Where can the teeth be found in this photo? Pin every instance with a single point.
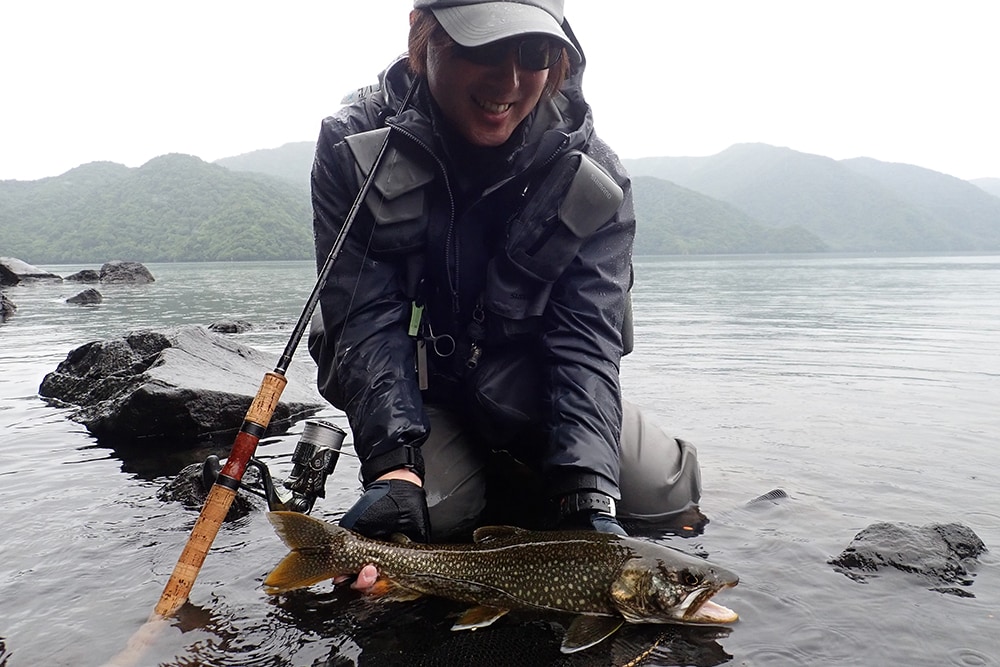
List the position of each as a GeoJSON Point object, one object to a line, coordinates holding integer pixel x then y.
{"type": "Point", "coordinates": [493, 107]}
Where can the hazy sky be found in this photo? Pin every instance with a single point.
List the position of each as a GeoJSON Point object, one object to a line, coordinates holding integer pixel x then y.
{"type": "Point", "coordinates": [912, 81]}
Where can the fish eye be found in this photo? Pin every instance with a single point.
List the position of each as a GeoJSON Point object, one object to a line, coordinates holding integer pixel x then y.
{"type": "Point", "coordinates": [690, 578]}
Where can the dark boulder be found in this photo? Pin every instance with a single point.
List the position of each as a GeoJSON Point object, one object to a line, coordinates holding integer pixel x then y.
{"type": "Point", "coordinates": [230, 326]}
{"type": "Point", "coordinates": [14, 271]}
{"type": "Point", "coordinates": [7, 307]}
{"type": "Point", "coordinates": [176, 387]}
{"type": "Point", "coordinates": [188, 488]}
{"type": "Point", "coordinates": [125, 272]}
{"type": "Point", "coordinates": [87, 297]}
{"type": "Point", "coordinates": [85, 276]}
{"type": "Point", "coordinates": [939, 553]}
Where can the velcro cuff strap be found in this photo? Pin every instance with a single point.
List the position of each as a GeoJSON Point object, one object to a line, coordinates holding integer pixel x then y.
{"type": "Point", "coordinates": [407, 456]}
{"type": "Point", "coordinates": [589, 501]}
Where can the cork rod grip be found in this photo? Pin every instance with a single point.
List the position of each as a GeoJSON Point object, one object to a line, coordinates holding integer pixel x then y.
{"type": "Point", "coordinates": [220, 496]}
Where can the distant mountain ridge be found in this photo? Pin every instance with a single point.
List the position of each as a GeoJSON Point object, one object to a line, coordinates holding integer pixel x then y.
{"type": "Point", "coordinates": [291, 162]}
{"type": "Point", "coordinates": [990, 185]}
{"type": "Point", "coordinates": [852, 205]}
{"type": "Point", "coordinates": [173, 208]}
{"type": "Point", "coordinates": [750, 198]}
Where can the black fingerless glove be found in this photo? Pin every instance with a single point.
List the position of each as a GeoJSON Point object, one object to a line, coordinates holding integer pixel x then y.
{"type": "Point", "coordinates": [388, 507]}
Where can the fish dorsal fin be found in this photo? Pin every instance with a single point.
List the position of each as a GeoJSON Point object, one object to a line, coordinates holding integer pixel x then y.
{"type": "Point", "coordinates": [478, 617]}
{"type": "Point", "coordinates": [490, 533]}
{"type": "Point", "coordinates": [586, 631]}
{"type": "Point", "coordinates": [399, 538]}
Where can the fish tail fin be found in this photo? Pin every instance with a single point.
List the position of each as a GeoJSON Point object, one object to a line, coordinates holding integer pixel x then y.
{"type": "Point", "coordinates": [312, 543]}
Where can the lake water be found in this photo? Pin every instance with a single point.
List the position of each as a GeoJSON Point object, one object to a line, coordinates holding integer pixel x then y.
{"type": "Point", "coordinates": [868, 388]}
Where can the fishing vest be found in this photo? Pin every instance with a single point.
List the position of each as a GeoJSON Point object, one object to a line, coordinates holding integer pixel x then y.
{"type": "Point", "coordinates": [562, 209]}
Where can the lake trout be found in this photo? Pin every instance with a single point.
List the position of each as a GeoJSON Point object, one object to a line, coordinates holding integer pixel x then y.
{"type": "Point", "coordinates": [605, 580]}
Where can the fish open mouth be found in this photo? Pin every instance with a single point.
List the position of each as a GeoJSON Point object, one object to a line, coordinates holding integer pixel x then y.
{"type": "Point", "coordinates": [699, 608]}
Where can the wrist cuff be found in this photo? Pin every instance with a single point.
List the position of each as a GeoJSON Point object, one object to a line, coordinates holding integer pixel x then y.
{"type": "Point", "coordinates": [407, 456]}
{"type": "Point", "coordinates": [586, 501]}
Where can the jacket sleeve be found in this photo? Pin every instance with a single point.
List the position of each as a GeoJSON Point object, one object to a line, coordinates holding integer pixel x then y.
{"type": "Point", "coordinates": [359, 340]}
{"type": "Point", "coordinates": [583, 346]}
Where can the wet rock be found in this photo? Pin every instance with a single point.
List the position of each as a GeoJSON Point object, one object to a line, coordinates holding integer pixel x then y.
{"type": "Point", "coordinates": [125, 272]}
{"type": "Point", "coordinates": [189, 489]}
{"type": "Point", "coordinates": [87, 297]}
{"type": "Point", "coordinates": [941, 553]}
{"type": "Point", "coordinates": [230, 326]}
{"type": "Point", "coordinates": [175, 388]}
{"type": "Point", "coordinates": [7, 307]}
{"type": "Point", "coordinates": [14, 271]}
{"type": "Point", "coordinates": [85, 276]}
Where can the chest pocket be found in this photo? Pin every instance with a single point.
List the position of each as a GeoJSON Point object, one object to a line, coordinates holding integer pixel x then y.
{"type": "Point", "coordinates": [571, 203]}
{"type": "Point", "coordinates": [397, 201]}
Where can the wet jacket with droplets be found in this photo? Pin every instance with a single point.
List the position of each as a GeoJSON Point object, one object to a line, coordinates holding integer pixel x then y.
{"type": "Point", "coordinates": [545, 385]}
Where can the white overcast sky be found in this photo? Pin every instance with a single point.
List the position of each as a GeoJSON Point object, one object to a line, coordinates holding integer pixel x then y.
{"type": "Point", "coordinates": [913, 81]}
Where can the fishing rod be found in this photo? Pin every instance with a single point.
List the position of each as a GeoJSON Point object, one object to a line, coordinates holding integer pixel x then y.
{"type": "Point", "coordinates": [229, 479]}
{"type": "Point", "coordinates": [255, 423]}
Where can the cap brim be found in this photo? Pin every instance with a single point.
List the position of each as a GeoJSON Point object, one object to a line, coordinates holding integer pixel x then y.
{"type": "Point", "coordinates": [486, 22]}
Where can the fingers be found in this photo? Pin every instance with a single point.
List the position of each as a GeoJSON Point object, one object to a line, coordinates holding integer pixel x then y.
{"type": "Point", "coordinates": [361, 582]}
{"type": "Point", "coordinates": [366, 579]}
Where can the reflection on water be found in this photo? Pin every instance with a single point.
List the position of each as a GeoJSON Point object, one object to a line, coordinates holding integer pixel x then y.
{"type": "Point", "coordinates": [864, 387]}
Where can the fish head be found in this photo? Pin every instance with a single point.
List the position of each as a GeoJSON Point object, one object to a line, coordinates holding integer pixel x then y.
{"type": "Point", "coordinates": [672, 587]}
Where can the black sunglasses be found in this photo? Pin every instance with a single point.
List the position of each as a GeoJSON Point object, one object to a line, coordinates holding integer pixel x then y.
{"type": "Point", "coordinates": [532, 53]}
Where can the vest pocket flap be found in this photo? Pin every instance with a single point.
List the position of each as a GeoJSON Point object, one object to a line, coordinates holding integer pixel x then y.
{"type": "Point", "coordinates": [591, 200]}
{"type": "Point", "coordinates": [386, 211]}
{"type": "Point", "coordinates": [399, 173]}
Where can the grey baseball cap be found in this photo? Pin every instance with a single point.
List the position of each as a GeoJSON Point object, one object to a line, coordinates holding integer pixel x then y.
{"type": "Point", "coordinates": [479, 22]}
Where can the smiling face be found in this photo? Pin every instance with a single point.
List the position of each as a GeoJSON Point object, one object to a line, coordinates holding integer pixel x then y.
{"type": "Point", "coordinates": [485, 103]}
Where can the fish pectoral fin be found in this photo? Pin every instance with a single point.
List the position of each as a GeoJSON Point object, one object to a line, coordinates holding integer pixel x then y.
{"type": "Point", "coordinates": [586, 631]}
{"type": "Point", "coordinates": [389, 591]}
{"type": "Point", "coordinates": [478, 617]}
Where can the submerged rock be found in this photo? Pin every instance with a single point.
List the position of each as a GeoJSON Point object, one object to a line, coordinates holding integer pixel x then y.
{"type": "Point", "coordinates": [230, 326]}
{"type": "Point", "coordinates": [14, 271]}
{"type": "Point", "coordinates": [85, 276]}
{"type": "Point", "coordinates": [7, 307]}
{"type": "Point", "coordinates": [86, 298]}
{"type": "Point", "coordinates": [941, 553]}
{"type": "Point", "coordinates": [189, 489]}
{"type": "Point", "coordinates": [175, 387]}
{"type": "Point", "coordinates": [125, 272]}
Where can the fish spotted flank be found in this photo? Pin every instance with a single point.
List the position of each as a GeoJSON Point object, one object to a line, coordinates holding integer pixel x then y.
{"type": "Point", "coordinates": [605, 580]}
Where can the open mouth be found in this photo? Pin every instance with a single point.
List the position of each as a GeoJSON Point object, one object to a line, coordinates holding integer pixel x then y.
{"type": "Point", "coordinates": [699, 608]}
{"type": "Point", "coordinates": [492, 107]}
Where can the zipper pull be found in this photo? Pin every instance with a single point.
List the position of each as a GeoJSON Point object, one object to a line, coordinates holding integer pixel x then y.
{"type": "Point", "coordinates": [474, 353]}
{"type": "Point", "coordinates": [477, 332]}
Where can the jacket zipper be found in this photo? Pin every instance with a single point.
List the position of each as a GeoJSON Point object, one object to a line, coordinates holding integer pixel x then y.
{"type": "Point", "coordinates": [449, 237]}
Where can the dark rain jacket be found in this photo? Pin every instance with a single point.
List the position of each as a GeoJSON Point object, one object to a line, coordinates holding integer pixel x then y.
{"type": "Point", "coordinates": [536, 360]}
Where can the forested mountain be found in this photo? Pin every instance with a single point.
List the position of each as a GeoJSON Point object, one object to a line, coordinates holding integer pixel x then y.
{"type": "Point", "coordinates": [671, 220]}
{"type": "Point", "coordinates": [173, 208]}
{"type": "Point", "coordinates": [969, 215]}
{"type": "Point", "coordinates": [854, 205]}
{"type": "Point", "coordinates": [990, 185]}
{"type": "Point", "coordinates": [291, 162]}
